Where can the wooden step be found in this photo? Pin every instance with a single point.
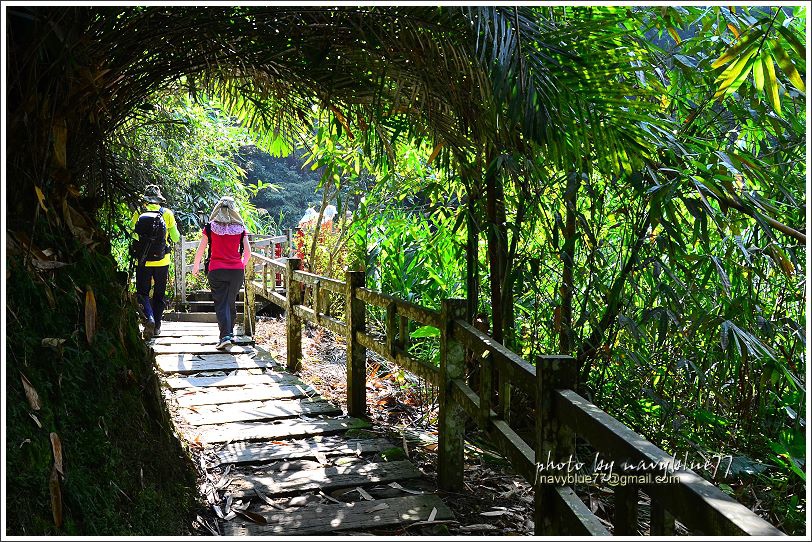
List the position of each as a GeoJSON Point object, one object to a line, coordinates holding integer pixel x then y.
{"type": "Point", "coordinates": [216, 396]}
{"type": "Point", "coordinates": [256, 411]}
{"type": "Point", "coordinates": [205, 295]}
{"type": "Point", "coordinates": [173, 337]}
{"type": "Point", "coordinates": [262, 452]}
{"type": "Point", "coordinates": [193, 317]}
{"type": "Point", "coordinates": [208, 306]}
{"type": "Point", "coordinates": [238, 378]}
{"type": "Point", "coordinates": [335, 517]}
{"type": "Point", "coordinates": [195, 363]}
{"type": "Point", "coordinates": [182, 348]}
{"type": "Point", "coordinates": [283, 429]}
{"type": "Point", "coordinates": [327, 478]}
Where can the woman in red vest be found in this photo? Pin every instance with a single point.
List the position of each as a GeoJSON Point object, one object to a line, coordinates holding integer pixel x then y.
{"type": "Point", "coordinates": [229, 253]}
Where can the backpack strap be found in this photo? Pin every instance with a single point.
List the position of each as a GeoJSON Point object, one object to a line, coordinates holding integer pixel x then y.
{"type": "Point", "coordinates": [242, 236]}
{"type": "Point", "coordinates": [207, 232]}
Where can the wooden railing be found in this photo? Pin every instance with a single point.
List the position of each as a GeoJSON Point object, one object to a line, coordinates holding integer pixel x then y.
{"type": "Point", "coordinates": [560, 413]}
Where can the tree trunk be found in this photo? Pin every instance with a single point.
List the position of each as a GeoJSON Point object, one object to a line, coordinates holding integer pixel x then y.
{"type": "Point", "coordinates": [495, 200]}
{"type": "Point", "coordinates": [568, 261]}
{"type": "Point", "coordinates": [471, 258]}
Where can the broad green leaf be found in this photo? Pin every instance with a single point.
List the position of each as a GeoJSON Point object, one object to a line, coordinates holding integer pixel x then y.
{"type": "Point", "coordinates": [787, 66]}
{"type": "Point", "coordinates": [425, 331]}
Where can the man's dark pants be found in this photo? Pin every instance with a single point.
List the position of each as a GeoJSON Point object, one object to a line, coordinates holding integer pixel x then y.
{"type": "Point", "coordinates": [144, 276]}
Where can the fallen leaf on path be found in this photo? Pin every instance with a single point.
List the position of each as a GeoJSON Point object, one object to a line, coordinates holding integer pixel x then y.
{"type": "Point", "coordinates": [494, 513]}
{"type": "Point", "coordinates": [382, 506]}
{"type": "Point", "coordinates": [256, 518]}
{"type": "Point", "coordinates": [364, 494]}
{"type": "Point", "coordinates": [433, 514]}
{"type": "Point", "coordinates": [36, 420]}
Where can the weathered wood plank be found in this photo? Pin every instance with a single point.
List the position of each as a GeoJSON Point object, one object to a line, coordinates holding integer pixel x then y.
{"type": "Point", "coordinates": [182, 337]}
{"type": "Point", "coordinates": [574, 516]}
{"type": "Point", "coordinates": [256, 411]}
{"type": "Point", "coordinates": [294, 428]}
{"type": "Point", "coordinates": [328, 478]}
{"type": "Point", "coordinates": [195, 363]}
{"type": "Point", "coordinates": [240, 378]}
{"type": "Point", "coordinates": [217, 396]}
{"type": "Point", "coordinates": [243, 452]}
{"type": "Point", "coordinates": [328, 518]}
{"type": "Point", "coordinates": [694, 501]}
{"type": "Point", "coordinates": [414, 312]}
{"type": "Point", "coordinates": [427, 372]}
{"type": "Point", "coordinates": [176, 348]}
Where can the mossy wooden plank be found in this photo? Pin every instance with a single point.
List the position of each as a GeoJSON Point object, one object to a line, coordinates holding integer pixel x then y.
{"type": "Point", "coordinates": [328, 478]}
{"type": "Point", "coordinates": [240, 378]}
{"type": "Point", "coordinates": [334, 517]}
{"type": "Point", "coordinates": [292, 428]}
{"type": "Point", "coordinates": [216, 396]}
{"type": "Point", "coordinates": [245, 452]}
{"type": "Point", "coordinates": [256, 411]}
{"type": "Point", "coordinates": [178, 348]}
{"type": "Point", "coordinates": [195, 363]}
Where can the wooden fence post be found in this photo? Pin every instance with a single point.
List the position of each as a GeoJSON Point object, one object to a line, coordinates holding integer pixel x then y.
{"type": "Point", "coordinates": [554, 440]}
{"type": "Point", "coordinates": [625, 517]}
{"type": "Point", "coordinates": [356, 353]}
{"type": "Point", "coordinates": [293, 322]}
{"type": "Point", "coordinates": [451, 434]}
{"type": "Point", "coordinates": [249, 308]}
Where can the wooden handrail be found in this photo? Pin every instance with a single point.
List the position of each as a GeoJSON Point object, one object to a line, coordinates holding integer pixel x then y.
{"type": "Point", "coordinates": [718, 513]}
{"type": "Point", "coordinates": [697, 503]}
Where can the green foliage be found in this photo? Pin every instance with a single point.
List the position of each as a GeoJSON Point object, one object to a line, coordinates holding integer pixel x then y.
{"type": "Point", "coordinates": [125, 473]}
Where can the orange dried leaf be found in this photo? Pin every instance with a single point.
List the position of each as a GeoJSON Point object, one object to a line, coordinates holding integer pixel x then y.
{"type": "Point", "coordinates": [56, 446]}
{"type": "Point", "coordinates": [56, 497]}
{"type": "Point", "coordinates": [90, 315]}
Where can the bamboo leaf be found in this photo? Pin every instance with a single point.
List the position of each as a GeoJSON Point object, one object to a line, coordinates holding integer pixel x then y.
{"type": "Point", "coordinates": [722, 274]}
{"type": "Point", "coordinates": [435, 152]}
{"type": "Point", "coordinates": [30, 393]}
{"type": "Point", "coordinates": [90, 315]}
{"type": "Point", "coordinates": [772, 83]}
{"type": "Point", "coordinates": [60, 136]}
{"type": "Point", "coordinates": [733, 74]}
{"type": "Point", "coordinates": [56, 497]}
{"type": "Point", "coordinates": [41, 198]}
{"type": "Point", "coordinates": [793, 40]}
{"type": "Point", "coordinates": [56, 447]}
{"type": "Point", "coordinates": [733, 51]}
{"type": "Point", "coordinates": [674, 34]}
{"type": "Point", "coordinates": [758, 74]}
{"type": "Point", "coordinates": [787, 66]}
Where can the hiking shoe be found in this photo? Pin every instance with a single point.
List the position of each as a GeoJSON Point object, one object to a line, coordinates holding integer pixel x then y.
{"type": "Point", "coordinates": [225, 341]}
{"type": "Point", "coordinates": [157, 332]}
{"type": "Point", "coordinates": [149, 329]}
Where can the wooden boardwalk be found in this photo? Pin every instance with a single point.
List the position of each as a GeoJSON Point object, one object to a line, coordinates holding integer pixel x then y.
{"type": "Point", "coordinates": [279, 459]}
